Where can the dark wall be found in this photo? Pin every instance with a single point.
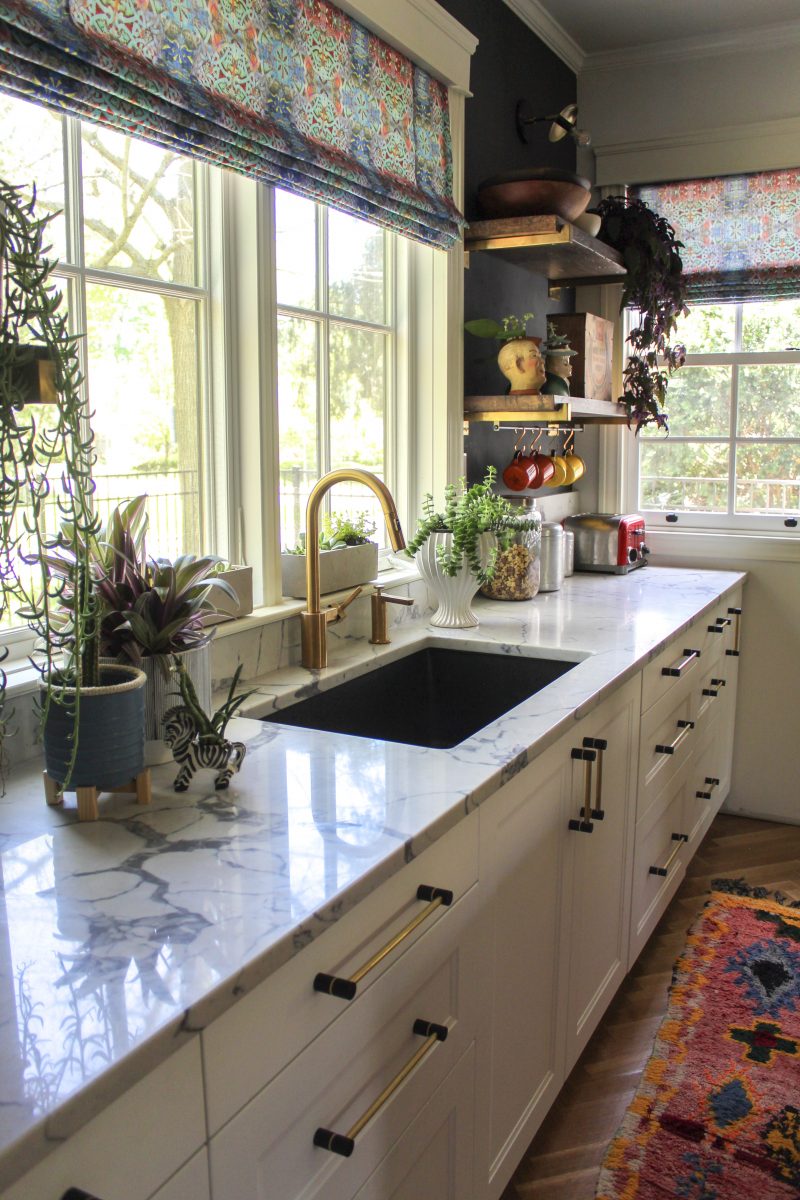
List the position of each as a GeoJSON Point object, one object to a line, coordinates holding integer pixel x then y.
{"type": "Point", "coordinates": [510, 64]}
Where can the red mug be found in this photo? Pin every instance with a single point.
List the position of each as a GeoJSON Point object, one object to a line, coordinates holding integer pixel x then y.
{"type": "Point", "coordinates": [545, 468]}
{"type": "Point", "coordinates": [521, 473]}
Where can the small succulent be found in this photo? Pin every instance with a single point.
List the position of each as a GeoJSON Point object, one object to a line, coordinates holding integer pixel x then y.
{"type": "Point", "coordinates": [468, 513]}
{"type": "Point", "coordinates": [507, 329]}
{"type": "Point", "coordinates": [340, 530]}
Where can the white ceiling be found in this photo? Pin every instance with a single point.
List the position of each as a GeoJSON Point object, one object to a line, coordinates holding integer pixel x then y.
{"type": "Point", "coordinates": [587, 32]}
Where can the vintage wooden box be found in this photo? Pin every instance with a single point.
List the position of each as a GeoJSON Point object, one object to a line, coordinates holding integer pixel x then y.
{"type": "Point", "coordinates": [593, 338]}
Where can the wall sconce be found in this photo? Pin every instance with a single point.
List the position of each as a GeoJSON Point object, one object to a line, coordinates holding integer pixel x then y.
{"type": "Point", "coordinates": [561, 124]}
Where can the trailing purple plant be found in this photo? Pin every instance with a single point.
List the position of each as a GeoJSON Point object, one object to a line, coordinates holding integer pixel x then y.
{"type": "Point", "coordinates": [656, 288]}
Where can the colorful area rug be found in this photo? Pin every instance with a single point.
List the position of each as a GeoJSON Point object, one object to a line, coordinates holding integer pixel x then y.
{"type": "Point", "coordinates": [717, 1113]}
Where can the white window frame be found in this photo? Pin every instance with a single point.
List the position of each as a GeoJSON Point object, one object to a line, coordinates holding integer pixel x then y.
{"type": "Point", "coordinates": [730, 521]}
{"type": "Point", "coordinates": [241, 517]}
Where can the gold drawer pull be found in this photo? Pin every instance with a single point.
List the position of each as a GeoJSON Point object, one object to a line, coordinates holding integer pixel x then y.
{"type": "Point", "coordinates": [345, 989]}
{"type": "Point", "coordinates": [680, 666]}
{"type": "Point", "coordinates": [711, 783]}
{"type": "Point", "coordinates": [684, 727]}
{"type": "Point", "coordinates": [735, 612]}
{"type": "Point", "coordinates": [589, 756]}
{"type": "Point", "coordinates": [679, 839]}
{"type": "Point", "coordinates": [345, 1143]}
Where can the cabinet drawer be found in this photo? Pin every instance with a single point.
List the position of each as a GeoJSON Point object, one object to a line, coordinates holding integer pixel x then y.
{"type": "Point", "coordinates": [267, 1151]}
{"type": "Point", "coordinates": [133, 1145]}
{"type": "Point", "coordinates": [710, 696]}
{"type": "Point", "coordinates": [434, 1159]}
{"type": "Point", "coordinates": [190, 1183]}
{"type": "Point", "coordinates": [704, 794]}
{"type": "Point", "coordinates": [659, 860]}
{"type": "Point", "coordinates": [668, 736]}
{"type": "Point", "coordinates": [248, 1045]}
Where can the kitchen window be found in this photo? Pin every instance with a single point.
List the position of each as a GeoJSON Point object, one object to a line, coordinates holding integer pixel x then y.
{"type": "Point", "coordinates": [732, 456]}
{"type": "Point", "coordinates": [154, 253]}
{"type": "Point", "coordinates": [127, 234]}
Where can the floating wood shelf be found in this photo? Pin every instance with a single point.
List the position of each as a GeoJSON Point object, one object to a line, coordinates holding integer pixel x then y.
{"type": "Point", "coordinates": [549, 246]}
{"type": "Point", "coordinates": [539, 409]}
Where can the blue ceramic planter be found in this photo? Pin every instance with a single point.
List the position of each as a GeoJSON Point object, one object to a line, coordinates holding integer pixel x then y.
{"type": "Point", "coordinates": [110, 732]}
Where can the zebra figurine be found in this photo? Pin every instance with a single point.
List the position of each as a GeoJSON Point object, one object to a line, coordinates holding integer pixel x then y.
{"type": "Point", "coordinates": [193, 750]}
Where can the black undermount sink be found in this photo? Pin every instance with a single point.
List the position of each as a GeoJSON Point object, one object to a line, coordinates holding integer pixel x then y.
{"type": "Point", "coordinates": [434, 697]}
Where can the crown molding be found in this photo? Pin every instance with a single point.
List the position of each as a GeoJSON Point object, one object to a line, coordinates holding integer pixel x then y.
{"type": "Point", "coordinates": [698, 153]}
{"type": "Point", "coordinates": [770, 37]}
{"type": "Point", "coordinates": [554, 36]}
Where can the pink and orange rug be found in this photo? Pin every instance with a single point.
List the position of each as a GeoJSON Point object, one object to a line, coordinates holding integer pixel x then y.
{"type": "Point", "coordinates": [717, 1113]}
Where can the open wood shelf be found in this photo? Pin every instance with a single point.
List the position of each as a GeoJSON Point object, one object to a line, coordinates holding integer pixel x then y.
{"type": "Point", "coordinates": [549, 246]}
{"type": "Point", "coordinates": [541, 409]}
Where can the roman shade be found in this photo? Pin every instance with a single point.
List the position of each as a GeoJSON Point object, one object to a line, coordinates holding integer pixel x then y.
{"type": "Point", "coordinates": [290, 92]}
{"type": "Point", "coordinates": [741, 233]}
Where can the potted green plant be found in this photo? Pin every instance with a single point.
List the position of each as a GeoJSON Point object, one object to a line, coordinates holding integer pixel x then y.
{"type": "Point", "coordinates": [92, 714]}
{"type": "Point", "coordinates": [347, 555]}
{"type": "Point", "coordinates": [519, 357]}
{"type": "Point", "coordinates": [149, 611]}
{"type": "Point", "coordinates": [456, 549]}
{"type": "Point", "coordinates": [655, 287]}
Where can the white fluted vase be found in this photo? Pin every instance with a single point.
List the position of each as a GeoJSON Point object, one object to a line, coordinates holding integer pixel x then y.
{"type": "Point", "coordinates": [453, 594]}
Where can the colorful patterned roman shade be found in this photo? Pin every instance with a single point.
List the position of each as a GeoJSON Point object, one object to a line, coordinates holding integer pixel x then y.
{"type": "Point", "coordinates": [290, 92]}
{"type": "Point", "coordinates": [741, 233]}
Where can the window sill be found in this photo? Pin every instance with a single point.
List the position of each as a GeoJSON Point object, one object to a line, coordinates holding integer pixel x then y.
{"type": "Point", "coordinates": [394, 577]}
{"type": "Point", "coordinates": [728, 544]}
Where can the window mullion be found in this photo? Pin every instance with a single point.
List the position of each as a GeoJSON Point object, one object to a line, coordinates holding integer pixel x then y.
{"type": "Point", "coordinates": [323, 350]}
{"type": "Point", "coordinates": [734, 421]}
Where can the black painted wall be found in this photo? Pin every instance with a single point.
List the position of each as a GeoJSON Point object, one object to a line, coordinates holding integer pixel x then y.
{"type": "Point", "coordinates": [510, 64]}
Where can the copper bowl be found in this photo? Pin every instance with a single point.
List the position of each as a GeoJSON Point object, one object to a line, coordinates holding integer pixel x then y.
{"type": "Point", "coordinates": [534, 191]}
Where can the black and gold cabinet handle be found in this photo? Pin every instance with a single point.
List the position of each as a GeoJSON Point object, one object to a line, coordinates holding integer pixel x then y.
{"type": "Point", "coordinates": [734, 652]}
{"type": "Point", "coordinates": [709, 783]}
{"type": "Point", "coordinates": [663, 871]}
{"type": "Point", "coordinates": [346, 988]}
{"type": "Point", "coordinates": [684, 729]}
{"type": "Point", "coordinates": [345, 1143]}
{"type": "Point", "coordinates": [677, 668]}
{"type": "Point", "coordinates": [590, 753]}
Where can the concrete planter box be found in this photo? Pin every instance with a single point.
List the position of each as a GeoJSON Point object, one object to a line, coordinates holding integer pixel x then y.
{"type": "Point", "coordinates": [241, 580]}
{"type": "Point", "coordinates": [338, 569]}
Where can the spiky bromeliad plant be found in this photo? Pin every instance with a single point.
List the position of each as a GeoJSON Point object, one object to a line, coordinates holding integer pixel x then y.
{"type": "Point", "coordinates": [47, 460]}
{"type": "Point", "coordinates": [148, 607]}
{"type": "Point", "coordinates": [468, 513]}
{"type": "Point", "coordinates": [655, 286]}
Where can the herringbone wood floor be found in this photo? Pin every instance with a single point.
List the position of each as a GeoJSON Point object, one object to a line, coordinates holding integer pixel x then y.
{"type": "Point", "coordinates": [564, 1158]}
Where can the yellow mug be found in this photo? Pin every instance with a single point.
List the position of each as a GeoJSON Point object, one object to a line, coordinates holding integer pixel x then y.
{"type": "Point", "coordinates": [576, 467]}
{"type": "Point", "coordinates": [560, 472]}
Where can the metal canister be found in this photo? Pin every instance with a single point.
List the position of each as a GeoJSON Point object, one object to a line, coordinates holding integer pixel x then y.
{"type": "Point", "coordinates": [552, 572]}
{"type": "Point", "coordinates": [569, 553]}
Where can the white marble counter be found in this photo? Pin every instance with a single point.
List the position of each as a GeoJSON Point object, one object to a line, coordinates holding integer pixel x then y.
{"type": "Point", "coordinates": [126, 936]}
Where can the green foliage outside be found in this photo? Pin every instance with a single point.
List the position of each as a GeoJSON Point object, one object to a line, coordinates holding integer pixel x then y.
{"type": "Point", "coordinates": [693, 474]}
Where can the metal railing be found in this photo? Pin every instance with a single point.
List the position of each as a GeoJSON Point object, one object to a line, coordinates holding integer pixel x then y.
{"type": "Point", "coordinates": [702, 493]}
{"type": "Point", "coordinates": [295, 485]}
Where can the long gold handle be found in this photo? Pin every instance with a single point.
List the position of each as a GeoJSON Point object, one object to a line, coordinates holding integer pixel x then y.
{"type": "Point", "coordinates": [587, 756]}
{"type": "Point", "coordinates": [344, 1143]}
{"type": "Point", "coordinates": [735, 612]}
{"type": "Point", "coordinates": [345, 988]}
{"type": "Point", "coordinates": [680, 666]}
{"type": "Point", "coordinates": [679, 839]}
{"type": "Point", "coordinates": [685, 728]}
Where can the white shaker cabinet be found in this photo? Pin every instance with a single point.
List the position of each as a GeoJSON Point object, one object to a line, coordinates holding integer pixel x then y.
{"type": "Point", "coordinates": [596, 888]}
{"type": "Point", "coordinates": [287, 1143]}
{"type": "Point", "coordinates": [555, 881]}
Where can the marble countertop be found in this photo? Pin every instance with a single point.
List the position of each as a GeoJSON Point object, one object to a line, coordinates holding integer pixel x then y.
{"type": "Point", "coordinates": [124, 937]}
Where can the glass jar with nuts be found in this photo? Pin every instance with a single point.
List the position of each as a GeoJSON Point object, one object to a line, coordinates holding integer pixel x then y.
{"type": "Point", "coordinates": [517, 568]}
